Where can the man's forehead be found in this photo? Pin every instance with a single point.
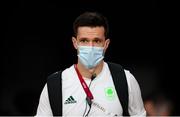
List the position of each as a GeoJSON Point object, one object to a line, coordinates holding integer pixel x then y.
{"type": "Point", "coordinates": [97, 32]}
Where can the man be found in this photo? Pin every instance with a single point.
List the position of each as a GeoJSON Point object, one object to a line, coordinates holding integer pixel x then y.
{"type": "Point", "coordinates": [91, 42]}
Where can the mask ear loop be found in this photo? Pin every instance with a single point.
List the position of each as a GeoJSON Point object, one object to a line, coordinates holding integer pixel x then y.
{"type": "Point", "coordinates": [77, 47]}
{"type": "Point", "coordinates": [104, 47]}
{"type": "Point", "coordinates": [104, 50]}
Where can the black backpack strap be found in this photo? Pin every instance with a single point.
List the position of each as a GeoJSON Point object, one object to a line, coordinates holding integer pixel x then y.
{"type": "Point", "coordinates": [121, 85]}
{"type": "Point", "coordinates": [54, 85]}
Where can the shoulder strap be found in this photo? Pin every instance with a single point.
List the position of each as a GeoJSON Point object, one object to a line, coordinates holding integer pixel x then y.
{"type": "Point", "coordinates": [121, 85]}
{"type": "Point", "coordinates": [55, 93]}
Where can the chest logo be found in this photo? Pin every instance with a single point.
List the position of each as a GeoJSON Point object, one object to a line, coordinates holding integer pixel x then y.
{"type": "Point", "coordinates": [110, 93]}
{"type": "Point", "coordinates": [70, 100]}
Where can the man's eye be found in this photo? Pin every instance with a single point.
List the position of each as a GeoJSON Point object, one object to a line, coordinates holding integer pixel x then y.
{"type": "Point", "coordinates": [97, 41]}
{"type": "Point", "coordinates": [83, 41]}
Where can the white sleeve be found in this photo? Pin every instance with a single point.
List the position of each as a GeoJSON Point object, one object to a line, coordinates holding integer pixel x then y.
{"type": "Point", "coordinates": [136, 106]}
{"type": "Point", "coordinates": [44, 108]}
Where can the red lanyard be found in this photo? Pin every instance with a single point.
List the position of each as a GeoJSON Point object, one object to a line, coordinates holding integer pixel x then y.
{"type": "Point", "coordinates": [83, 83]}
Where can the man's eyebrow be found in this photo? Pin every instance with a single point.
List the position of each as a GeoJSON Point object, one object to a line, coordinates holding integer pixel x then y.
{"type": "Point", "coordinates": [83, 38]}
{"type": "Point", "coordinates": [98, 39]}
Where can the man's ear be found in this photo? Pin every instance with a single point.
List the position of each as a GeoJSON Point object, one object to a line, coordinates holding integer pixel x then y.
{"type": "Point", "coordinates": [74, 41]}
{"type": "Point", "coordinates": [106, 45]}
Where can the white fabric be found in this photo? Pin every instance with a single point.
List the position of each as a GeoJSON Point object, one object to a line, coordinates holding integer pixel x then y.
{"type": "Point", "coordinates": [103, 104]}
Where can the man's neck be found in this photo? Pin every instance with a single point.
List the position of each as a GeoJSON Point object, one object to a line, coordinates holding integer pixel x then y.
{"type": "Point", "coordinates": [88, 73]}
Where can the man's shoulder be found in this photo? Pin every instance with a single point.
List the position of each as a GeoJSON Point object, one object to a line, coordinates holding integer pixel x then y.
{"type": "Point", "coordinates": [113, 63]}
{"type": "Point", "coordinates": [120, 66]}
{"type": "Point", "coordinates": [113, 66]}
{"type": "Point", "coordinates": [54, 75]}
{"type": "Point", "coordinates": [58, 73]}
{"type": "Point", "coordinates": [127, 72]}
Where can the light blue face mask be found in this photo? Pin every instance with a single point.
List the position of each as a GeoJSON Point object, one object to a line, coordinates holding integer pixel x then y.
{"type": "Point", "coordinates": [90, 56]}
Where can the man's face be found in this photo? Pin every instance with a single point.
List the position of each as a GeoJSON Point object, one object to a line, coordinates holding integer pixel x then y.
{"type": "Point", "coordinates": [88, 36]}
{"type": "Point", "coordinates": [91, 36]}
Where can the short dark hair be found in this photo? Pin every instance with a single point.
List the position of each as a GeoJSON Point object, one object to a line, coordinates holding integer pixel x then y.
{"type": "Point", "coordinates": [91, 19]}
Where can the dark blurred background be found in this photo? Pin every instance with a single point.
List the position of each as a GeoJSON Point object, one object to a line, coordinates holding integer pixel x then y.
{"type": "Point", "coordinates": [37, 42]}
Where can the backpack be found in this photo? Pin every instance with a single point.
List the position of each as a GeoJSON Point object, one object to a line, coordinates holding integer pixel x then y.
{"type": "Point", "coordinates": [55, 89]}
